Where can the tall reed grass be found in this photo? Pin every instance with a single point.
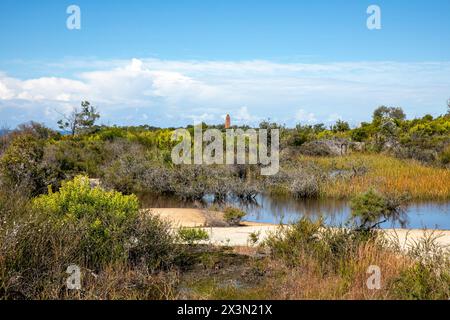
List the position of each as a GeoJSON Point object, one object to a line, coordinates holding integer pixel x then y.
{"type": "Point", "coordinates": [385, 174]}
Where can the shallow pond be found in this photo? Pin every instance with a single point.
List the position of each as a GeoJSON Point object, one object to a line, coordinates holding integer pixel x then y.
{"type": "Point", "coordinates": [276, 209]}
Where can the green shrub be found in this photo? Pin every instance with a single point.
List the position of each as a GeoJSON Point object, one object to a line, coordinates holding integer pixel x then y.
{"type": "Point", "coordinates": [152, 243]}
{"type": "Point", "coordinates": [78, 155]}
{"type": "Point", "coordinates": [108, 217]}
{"type": "Point", "coordinates": [20, 165]}
{"type": "Point", "coordinates": [372, 209]}
{"type": "Point", "coordinates": [422, 282]}
{"type": "Point", "coordinates": [254, 237]}
{"type": "Point", "coordinates": [292, 243]}
{"type": "Point", "coordinates": [192, 235]}
{"type": "Point", "coordinates": [233, 216]}
{"type": "Point", "coordinates": [308, 241]}
{"type": "Point", "coordinates": [444, 156]}
{"type": "Point", "coordinates": [92, 228]}
{"type": "Point", "coordinates": [360, 134]}
{"type": "Point", "coordinates": [126, 172]}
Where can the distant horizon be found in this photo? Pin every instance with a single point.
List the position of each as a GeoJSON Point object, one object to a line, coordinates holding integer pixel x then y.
{"type": "Point", "coordinates": [5, 128]}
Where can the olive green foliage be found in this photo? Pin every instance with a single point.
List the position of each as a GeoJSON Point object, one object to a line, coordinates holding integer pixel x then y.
{"type": "Point", "coordinates": [50, 217]}
{"type": "Point", "coordinates": [384, 112]}
{"type": "Point", "coordinates": [126, 168]}
{"type": "Point", "coordinates": [305, 133]}
{"type": "Point", "coordinates": [424, 139]}
{"type": "Point", "coordinates": [80, 120]}
{"type": "Point", "coordinates": [428, 277]}
{"type": "Point", "coordinates": [444, 156]}
{"type": "Point", "coordinates": [23, 166]}
{"type": "Point", "coordinates": [340, 126]}
{"type": "Point", "coordinates": [192, 236]}
{"type": "Point", "coordinates": [311, 241]}
{"type": "Point", "coordinates": [233, 216]}
{"type": "Point", "coordinates": [114, 229]}
{"type": "Point", "coordinates": [138, 159]}
{"type": "Point", "coordinates": [90, 227]}
{"type": "Point", "coordinates": [422, 282]}
{"type": "Point", "coordinates": [372, 209]}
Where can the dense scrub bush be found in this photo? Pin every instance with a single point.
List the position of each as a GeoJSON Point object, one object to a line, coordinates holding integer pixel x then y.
{"type": "Point", "coordinates": [233, 216]}
{"type": "Point", "coordinates": [189, 182]}
{"type": "Point", "coordinates": [108, 216]}
{"type": "Point", "coordinates": [316, 148]}
{"type": "Point", "coordinates": [32, 162]}
{"type": "Point", "coordinates": [78, 155]}
{"type": "Point", "coordinates": [304, 133]}
{"type": "Point", "coordinates": [22, 168]}
{"type": "Point", "coordinates": [422, 282]}
{"type": "Point", "coordinates": [428, 277]}
{"type": "Point", "coordinates": [35, 253]}
{"type": "Point", "coordinates": [246, 190]}
{"type": "Point", "coordinates": [308, 241]}
{"type": "Point", "coordinates": [125, 168]}
{"type": "Point", "coordinates": [91, 228]}
{"type": "Point", "coordinates": [361, 133]}
{"type": "Point", "coordinates": [444, 156]}
{"type": "Point", "coordinates": [157, 180]}
{"type": "Point", "coordinates": [32, 128]}
{"type": "Point", "coordinates": [417, 153]}
{"type": "Point", "coordinates": [114, 228]}
{"type": "Point", "coordinates": [152, 243]}
{"type": "Point", "coordinates": [221, 182]}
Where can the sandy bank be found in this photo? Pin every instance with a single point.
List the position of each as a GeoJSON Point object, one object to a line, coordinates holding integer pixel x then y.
{"type": "Point", "coordinates": [239, 236]}
{"type": "Point", "coordinates": [182, 217]}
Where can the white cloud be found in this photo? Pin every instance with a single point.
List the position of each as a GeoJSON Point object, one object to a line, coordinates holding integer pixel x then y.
{"type": "Point", "coordinates": [304, 116]}
{"type": "Point", "coordinates": [174, 92]}
{"type": "Point", "coordinates": [5, 93]}
{"type": "Point", "coordinates": [334, 117]}
{"type": "Point", "coordinates": [243, 115]}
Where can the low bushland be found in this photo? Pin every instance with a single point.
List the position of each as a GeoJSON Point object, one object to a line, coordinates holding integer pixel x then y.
{"type": "Point", "coordinates": [50, 216]}
{"type": "Point", "coordinates": [124, 255]}
{"type": "Point", "coordinates": [89, 227]}
{"type": "Point", "coordinates": [310, 261]}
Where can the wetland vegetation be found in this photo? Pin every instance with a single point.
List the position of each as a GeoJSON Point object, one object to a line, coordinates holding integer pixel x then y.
{"type": "Point", "coordinates": [75, 199]}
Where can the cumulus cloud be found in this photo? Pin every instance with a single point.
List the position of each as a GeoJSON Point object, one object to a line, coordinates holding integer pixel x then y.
{"type": "Point", "coordinates": [176, 92]}
{"type": "Point", "coordinates": [304, 116]}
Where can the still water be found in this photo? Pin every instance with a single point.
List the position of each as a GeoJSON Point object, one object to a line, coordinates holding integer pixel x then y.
{"type": "Point", "coordinates": [285, 209]}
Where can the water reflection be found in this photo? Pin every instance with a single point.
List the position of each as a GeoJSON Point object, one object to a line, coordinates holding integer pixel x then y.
{"type": "Point", "coordinates": [285, 209]}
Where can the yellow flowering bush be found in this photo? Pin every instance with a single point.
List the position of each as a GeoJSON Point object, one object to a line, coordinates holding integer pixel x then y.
{"type": "Point", "coordinates": [106, 218]}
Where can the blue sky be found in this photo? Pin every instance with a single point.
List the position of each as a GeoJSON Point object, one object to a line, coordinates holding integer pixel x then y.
{"type": "Point", "coordinates": [172, 62]}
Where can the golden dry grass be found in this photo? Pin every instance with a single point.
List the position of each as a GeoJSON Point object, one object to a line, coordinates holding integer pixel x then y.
{"type": "Point", "coordinates": [386, 174]}
{"type": "Point", "coordinates": [306, 282]}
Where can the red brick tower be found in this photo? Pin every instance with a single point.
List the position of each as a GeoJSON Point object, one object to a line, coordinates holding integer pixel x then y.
{"type": "Point", "coordinates": [227, 122]}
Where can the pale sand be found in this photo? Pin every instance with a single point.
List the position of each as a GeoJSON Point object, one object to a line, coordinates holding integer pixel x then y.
{"type": "Point", "coordinates": [182, 217]}
{"type": "Point", "coordinates": [239, 236]}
